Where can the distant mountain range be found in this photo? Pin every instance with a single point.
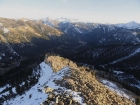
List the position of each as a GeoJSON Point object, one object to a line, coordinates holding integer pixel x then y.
{"type": "Point", "coordinates": [112, 48]}
{"type": "Point", "coordinates": [129, 25]}
{"type": "Point", "coordinates": [105, 46]}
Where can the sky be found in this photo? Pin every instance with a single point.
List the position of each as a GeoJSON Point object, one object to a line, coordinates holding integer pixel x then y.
{"type": "Point", "coordinates": [99, 11]}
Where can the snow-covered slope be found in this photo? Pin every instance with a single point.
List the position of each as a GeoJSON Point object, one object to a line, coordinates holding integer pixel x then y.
{"type": "Point", "coordinates": [118, 90]}
{"type": "Point", "coordinates": [70, 82]}
{"type": "Point", "coordinates": [48, 21]}
{"type": "Point", "coordinates": [126, 57]}
{"type": "Point", "coordinates": [36, 97]}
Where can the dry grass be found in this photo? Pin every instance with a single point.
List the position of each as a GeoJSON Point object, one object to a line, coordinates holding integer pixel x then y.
{"type": "Point", "coordinates": [57, 63]}
{"type": "Point", "coordinates": [95, 92]}
{"type": "Point", "coordinates": [82, 79]}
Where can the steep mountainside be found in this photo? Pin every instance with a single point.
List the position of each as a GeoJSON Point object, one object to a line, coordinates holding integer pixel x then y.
{"type": "Point", "coordinates": [107, 47]}
{"type": "Point", "coordinates": [21, 38]}
{"type": "Point", "coordinates": [59, 81]}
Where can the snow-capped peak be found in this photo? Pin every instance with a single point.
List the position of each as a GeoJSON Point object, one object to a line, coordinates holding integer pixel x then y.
{"type": "Point", "coordinates": [67, 20]}
{"type": "Point", "coordinates": [129, 25]}
{"type": "Point", "coordinates": [51, 21]}
{"type": "Point", "coordinates": [132, 25]}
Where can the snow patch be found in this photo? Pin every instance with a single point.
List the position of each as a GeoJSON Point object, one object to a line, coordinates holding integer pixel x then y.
{"type": "Point", "coordinates": [104, 29]}
{"type": "Point", "coordinates": [48, 21]}
{"type": "Point", "coordinates": [65, 30]}
{"type": "Point", "coordinates": [118, 72]}
{"type": "Point", "coordinates": [1, 24]}
{"type": "Point", "coordinates": [14, 90]}
{"type": "Point", "coordinates": [25, 20]}
{"type": "Point", "coordinates": [76, 96]}
{"type": "Point", "coordinates": [5, 30]}
{"type": "Point", "coordinates": [35, 97]}
{"type": "Point", "coordinates": [116, 89]}
{"type": "Point", "coordinates": [23, 83]}
{"type": "Point", "coordinates": [11, 58]}
{"type": "Point", "coordinates": [5, 94]}
{"type": "Point", "coordinates": [2, 88]}
{"type": "Point", "coordinates": [78, 30]}
{"type": "Point", "coordinates": [135, 33]}
{"type": "Point", "coordinates": [3, 54]}
{"type": "Point", "coordinates": [123, 58]}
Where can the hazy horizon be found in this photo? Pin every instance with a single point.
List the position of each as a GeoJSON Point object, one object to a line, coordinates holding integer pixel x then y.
{"type": "Point", "coordinates": [101, 11]}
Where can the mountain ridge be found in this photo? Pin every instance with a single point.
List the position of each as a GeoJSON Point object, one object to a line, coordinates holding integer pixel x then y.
{"type": "Point", "coordinates": [23, 44]}
{"type": "Point", "coordinates": [128, 25]}
{"type": "Point", "coordinates": [62, 87]}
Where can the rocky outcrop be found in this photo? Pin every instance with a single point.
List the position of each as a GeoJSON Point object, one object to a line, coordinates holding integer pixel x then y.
{"type": "Point", "coordinates": [60, 99]}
